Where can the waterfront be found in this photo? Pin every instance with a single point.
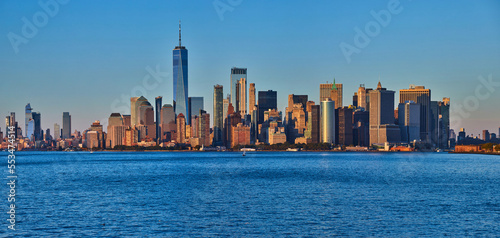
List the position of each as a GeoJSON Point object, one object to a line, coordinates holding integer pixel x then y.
{"type": "Point", "coordinates": [262, 194]}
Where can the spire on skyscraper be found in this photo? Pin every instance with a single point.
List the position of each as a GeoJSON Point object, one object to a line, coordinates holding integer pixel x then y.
{"type": "Point", "coordinates": [379, 85]}
{"type": "Point", "coordinates": [180, 33]}
{"type": "Point", "coordinates": [334, 87]}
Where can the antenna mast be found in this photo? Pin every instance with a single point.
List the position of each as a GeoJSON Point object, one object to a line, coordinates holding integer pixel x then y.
{"type": "Point", "coordinates": [180, 33]}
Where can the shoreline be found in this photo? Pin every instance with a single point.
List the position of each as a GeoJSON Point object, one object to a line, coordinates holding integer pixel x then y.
{"type": "Point", "coordinates": [316, 151]}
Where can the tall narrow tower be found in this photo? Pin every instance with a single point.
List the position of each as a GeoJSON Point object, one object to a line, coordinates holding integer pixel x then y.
{"type": "Point", "coordinates": [180, 64]}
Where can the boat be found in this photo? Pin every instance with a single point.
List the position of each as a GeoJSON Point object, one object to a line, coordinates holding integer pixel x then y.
{"type": "Point", "coordinates": [244, 153]}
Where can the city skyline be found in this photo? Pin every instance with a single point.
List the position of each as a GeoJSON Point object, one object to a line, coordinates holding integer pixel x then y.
{"type": "Point", "coordinates": [456, 79]}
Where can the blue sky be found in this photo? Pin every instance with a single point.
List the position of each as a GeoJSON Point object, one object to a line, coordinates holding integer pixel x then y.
{"type": "Point", "coordinates": [90, 56]}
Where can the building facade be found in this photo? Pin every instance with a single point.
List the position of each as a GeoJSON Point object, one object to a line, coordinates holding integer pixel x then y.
{"type": "Point", "coordinates": [327, 121]}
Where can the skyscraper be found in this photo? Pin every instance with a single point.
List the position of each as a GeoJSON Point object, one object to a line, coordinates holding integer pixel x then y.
{"type": "Point", "coordinates": [355, 99]}
{"type": "Point", "coordinates": [181, 129]}
{"type": "Point", "coordinates": [242, 85]}
{"type": "Point", "coordinates": [147, 120]}
{"type": "Point", "coordinates": [116, 130]}
{"type": "Point", "coordinates": [251, 98]}
{"type": "Point", "coordinates": [204, 128]}
{"type": "Point", "coordinates": [180, 76]}
{"type": "Point", "coordinates": [422, 96]}
{"type": "Point", "coordinates": [486, 135]}
{"type": "Point", "coordinates": [218, 114]}
{"type": "Point", "coordinates": [382, 127]}
{"type": "Point", "coordinates": [434, 122]}
{"type": "Point", "coordinates": [57, 131]}
{"type": "Point", "coordinates": [236, 75]}
{"type": "Point", "coordinates": [37, 125]}
{"type": "Point", "coordinates": [444, 111]}
{"type": "Point", "coordinates": [361, 123]}
{"type": "Point", "coordinates": [345, 126]}
{"type": "Point", "coordinates": [135, 114]}
{"type": "Point", "coordinates": [327, 121]}
{"type": "Point", "coordinates": [195, 104]}
{"type": "Point", "coordinates": [66, 130]}
{"type": "Point", "coordinates": [332, 91]}
{"type": "Point", "coordinates": [409, 121]}
{"type": "Point", "coordinates": [27, 118]}
{"type": "Point", "coordinates": [158, 104]}
{"type": "Point", "coordinates": [267, 100]}
{"type": "Point", "coordinates": [168, 126]}
{"type": "Point", "coordinates": [314, 121]}
{"type": "Point", "coordinates": [133, 108]}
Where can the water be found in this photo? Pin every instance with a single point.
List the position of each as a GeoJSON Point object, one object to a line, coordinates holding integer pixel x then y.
{"type": "Point", "coordinates": [266, 194]}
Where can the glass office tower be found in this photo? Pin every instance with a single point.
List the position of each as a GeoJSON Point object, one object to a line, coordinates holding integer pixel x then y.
{"type": "Point", "coordinates": [236, 75]}
{"type": "Point", "coordinates": [180, 64]}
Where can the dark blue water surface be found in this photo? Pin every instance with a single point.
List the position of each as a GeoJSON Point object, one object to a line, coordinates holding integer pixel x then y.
{"type": "Point", "coordinates": [264, 194]}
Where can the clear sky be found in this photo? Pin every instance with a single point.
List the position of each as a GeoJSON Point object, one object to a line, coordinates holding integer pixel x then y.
{"type": "Point", "coordinates": [90, 57]}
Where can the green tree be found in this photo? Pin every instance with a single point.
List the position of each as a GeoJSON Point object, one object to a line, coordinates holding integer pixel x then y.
{"type": "Point", "coordinates": [487, 146]}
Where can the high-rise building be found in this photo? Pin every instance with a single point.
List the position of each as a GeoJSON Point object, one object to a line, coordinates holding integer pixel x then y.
{"type": "Point", "coordinates": [66, 130]}
{"type": "Point", "coordinates": [332, 91]}
{"type": "Point", "coordinates": [364, 97]}
{"type": "Point", "coordinates": [135, 103]}
{"type": "Point", "coordinates": [409, 121]}
{"type": "Point", "coordinates": [158, 105]}
{"type": "Point", "coordinates": [225, 105]}
{"type": "Point", "coordinates": [116, 130]}
{"type": "Point", "coordinates": [486, 135]}
{"type": "Point", "coordinates": [218, 114]}
{"type": "Point", "coordinates": [242, 90]}
{"type": "Point", "coordinates": [254, 127]}
{"type": "Point", "coordinates": [195, 104]}
{"type": "Point", "coordinates": [27, 118]}
{"type": "Point", "coordinates": [444, 126]}
{"type": "Point", "coordinates": [295, 117]}
{"type": "Point", "coordinates": [233, 118]}
{"type": "Point", "coordinates": [37, 126]}
{"type": "Point", "coordinates": [361, 125]}
{"type": "Point", "coordinates": [434, 121]}
{"type": "Point", "coordinates": [267, 100]}
{"type": "Point", "coordinates": [180, 63]}
{"type": "Point", "coordinates": [167, 121]}
{"type": "Point", "coordinates": [131, 136]}
{"type": "Point", "coordinates": [251, 98]}
{"type": "Point", "coordinates": [204, 128]}
{"type": "Point", "coordinates": [293, 99]}
{"type": "Point", "coordinates": [236, 75]}
{"type": "Point", "coordinates": [382, 127]}
{"type": "Point", "coordinates": [461, 134]}
{"type": "Point", "coordinates": [355, 99]}
{"type": "Point", "coordinates": [422, 96]}
{"type": "Point", "coordinates": [127, 120]}
{"type": "Point", "coordinates": [95, 136]}
{"type": "Point", "coordinates": [147, 120]}
{"type": "Point", "coordinates": [30, 129]}
{"type": "Point", "coordinates": [10, 121]}
{"type": "Point", "coordinates": [314, 122]}
{"type": "Point", "coordinates": [327, 121]}
{"type": "Point", "coordinates": [46, 136]}
{"type": "Point", "coordinates": [181, 129]}
{"type": "Point", "coordinates": [57, 131]}
{"type": "Point", "coordinates": [345, 126]}
{"type": "Point", "coordinates": [133, 109]}
{"type": "Point", "coordinates": [240, 135]}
